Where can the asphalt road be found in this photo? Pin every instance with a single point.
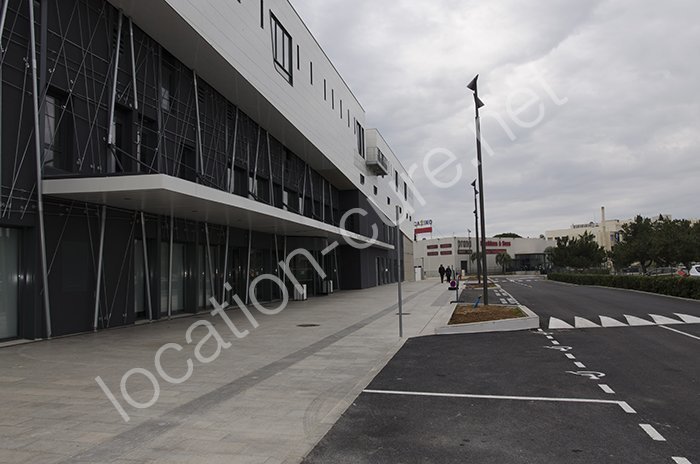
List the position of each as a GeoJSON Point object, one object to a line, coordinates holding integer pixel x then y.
{"type": "Point", "coordinates": [596, 395]}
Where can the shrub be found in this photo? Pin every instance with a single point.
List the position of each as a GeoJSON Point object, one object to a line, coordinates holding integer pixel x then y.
{"type": "Point", "coordinates": [686, 287]}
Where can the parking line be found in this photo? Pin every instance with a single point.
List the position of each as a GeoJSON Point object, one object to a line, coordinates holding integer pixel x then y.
{"type": "Point", "coordinates": [607, 389]}
{"type": "Point", "coordinates": [570, 356]}
{"type": "Point", "coordinates": [580, 365]}
{"type": "Point", "coordinates": [679, 332]}
{"type": "Point", "coordinates": [651, 431]}
{"type": "Point", "coordinates": [625, 407]}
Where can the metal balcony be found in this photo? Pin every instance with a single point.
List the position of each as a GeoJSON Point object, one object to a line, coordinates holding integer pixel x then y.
{"type": "Point", "coordinates": [377, 162]}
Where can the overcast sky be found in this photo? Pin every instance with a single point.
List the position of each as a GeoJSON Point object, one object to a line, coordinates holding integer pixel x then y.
{"type": "Point", "coordinates": [588, 103]}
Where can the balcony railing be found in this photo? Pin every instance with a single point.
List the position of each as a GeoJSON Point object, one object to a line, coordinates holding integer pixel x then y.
{"type": "Point", "coordinates": [377, 162]}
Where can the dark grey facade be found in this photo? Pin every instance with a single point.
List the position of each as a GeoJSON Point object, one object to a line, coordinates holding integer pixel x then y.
{"type": "Point", "coordinates": [157, 117]}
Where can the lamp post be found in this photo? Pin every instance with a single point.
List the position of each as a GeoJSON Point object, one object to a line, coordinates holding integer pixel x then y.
{"type": "Point", "coordinates": [476, 223]}
{"type": "Point", "coordinates": [478, 104]}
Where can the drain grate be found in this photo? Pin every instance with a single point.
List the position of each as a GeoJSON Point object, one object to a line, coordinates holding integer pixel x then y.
{"type": "Point", "coordinates": [308, 325]}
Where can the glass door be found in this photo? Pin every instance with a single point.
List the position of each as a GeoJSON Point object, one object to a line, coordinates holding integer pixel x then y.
{"type": "Point", "coordinates": [9, 280]}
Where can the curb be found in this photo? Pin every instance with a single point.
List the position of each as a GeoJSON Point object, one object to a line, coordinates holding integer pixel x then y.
{"type": "Point", "coordinates": [531, 321]}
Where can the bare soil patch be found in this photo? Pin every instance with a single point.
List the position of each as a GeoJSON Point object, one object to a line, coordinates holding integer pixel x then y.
{"type": "Point", "coordinates": [464, 314]}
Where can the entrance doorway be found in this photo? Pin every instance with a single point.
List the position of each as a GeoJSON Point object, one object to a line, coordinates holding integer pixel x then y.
{"type": "Point", "coordinates": [9, 280]}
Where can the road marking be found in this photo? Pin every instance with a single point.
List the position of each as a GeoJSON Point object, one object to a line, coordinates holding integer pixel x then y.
{"type": "Point", "coordinates": [555, 323]}
{"type": "Point", "coordinates": [651, 431]}
{"type": "Point", "coordinates": [549, 337]}
{"type": "Point", "coordinates": [679, 332]}
{"type": "Point", "coordinates": [580, 365]}
{"type": "Point", "coordinates": [637, 321]}
{"type": "Point", "coordinates": [663, 320]}
{"type": "Point", "coordinates": [689, 319]}
{"type": "Point", "coordinates": [681, 461]}
{"type": "Point", "coordinates": [606, 321]}
{"type": "Point", "coordinates": [581, 323]}
{"type": "Point", "coordinates": [570, 356]}
{"type": "Point", "coordinates": [556, 343]}
{"type": "Point", "coordinates": [592, 375]}
{"type": "Point", "coordinates": [622, 404]}
{"type": "Point", "coordinates": [606, 389]}
{"type": "Point", "coordinates": [504, 301]}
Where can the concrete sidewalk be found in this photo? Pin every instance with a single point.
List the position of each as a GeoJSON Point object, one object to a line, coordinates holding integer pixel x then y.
{"type": "Point", "coordinates": [269, 398]}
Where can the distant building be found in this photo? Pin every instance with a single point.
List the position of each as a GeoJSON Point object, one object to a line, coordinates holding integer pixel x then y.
{"type": "Point", "coordinates": [528, 254]}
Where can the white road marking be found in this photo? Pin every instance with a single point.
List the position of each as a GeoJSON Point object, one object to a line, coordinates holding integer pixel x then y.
{"type": "Point", "coordinates": [606, 321]}
{"type": "Point", "coordinates": [663, 320]}
{"type": "Point", "coordinates": [549, 337]}
{"type": "Point", "coordinates": [681, 461]}
{"type": "Point", "coordinates": [606, 389]}
{"type": "Point", "coordinates": [504, 301]}
{"type": "Point", "coordinates": [637, 321]}
{"type": "Point", "coordinates": [581, 323]}
{"type": "Point", "coordinates": [570, 356]}
{"type": "Point", "coordinates": [625, 407]}
{"type": "Point", "coordinates": [555, 343]}
{"type": "Point", "coordinates": [689, 319]}
{"type": "Point", "coordinates": [580, 365]}
{"type": "Point", "coordinates": [555, 323]}
{"type": "Point", "coordinates": [651, 431]}
{"type": "Point", "coordinates": [679, 332]}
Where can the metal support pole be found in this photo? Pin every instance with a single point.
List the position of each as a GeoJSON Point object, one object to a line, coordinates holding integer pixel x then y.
{"type": "Point", "coordinates": [398, 266]}
{"type": "Point", "coordinates": [170, 267]}
{"type": "Point", "coordinates": [39, 173]}
{"type": "Point", "coordinates": [476, 223]}
{"type": "Point", "coordinates": [199, 127]}
{"type": "Point", "coordinates": [211, 267]}
{"type": "Point", "coordinates": [133, 63]}
{"type": "Point", "coordinates": [113, 99]}
{"type": "Point", "coordinates": [223, 284]}
{"type": "Point", "coordinates": [100, 259]}
{"type": "Point", "coordinates": [146, 267]}
{"type": "Point", "coordinates": [481, 194]}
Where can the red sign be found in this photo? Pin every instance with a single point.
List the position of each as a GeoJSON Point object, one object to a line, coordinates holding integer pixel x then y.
{"type": "Point", "coordinates": [424, 230]}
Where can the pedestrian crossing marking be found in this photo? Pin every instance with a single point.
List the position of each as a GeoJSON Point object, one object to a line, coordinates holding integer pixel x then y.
{"type": "Point", "coordinates": [581, 323]}
{"type": "Point", "coordinates": [663, 320]}
{"type": "Point", "coordinates": [635, 321]}
{"type": "Point", "coordinates": [632, 321]}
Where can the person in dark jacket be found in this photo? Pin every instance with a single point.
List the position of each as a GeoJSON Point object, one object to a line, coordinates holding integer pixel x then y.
{"type": "Point", "coordinates": [441, 271]}
{"type": "Point", "coordinates": [448, 273]}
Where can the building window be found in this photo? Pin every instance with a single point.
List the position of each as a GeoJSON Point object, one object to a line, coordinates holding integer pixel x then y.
{"type": "Point", "coordinates": [405, 191]}
{"type": "Point", "coordinates": [311, 72]}
{"type": "Point", "coordinates": [396, 180]}
{"type": "Point", "coordinates": [298, 60]}
{"type": "Point", "coordinates": [56, 118]}
{"type": "Point", "coordinates": [376, 190]}
{"type": "Point", "coordinates": [325, 90]}
{"type": "Point", "coordinates": [262, 14]}
{"type": "Point", "coordinates": [360, 133]}
{"type": "Point", "coordinates": [388, 200]}
{"type": "Point", "coordinates": [281, 49]}
{"type": "Point", "coordinates": [362, 179]}
{"type": "Point", "coordinates": [333, 98]}
{"type": "Point", "coordinates": [341, 108]}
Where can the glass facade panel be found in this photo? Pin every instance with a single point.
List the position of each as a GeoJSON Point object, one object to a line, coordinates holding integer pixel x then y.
{"type": "Point", "coordinates": [9, 281]}
{"type": "Point", "coordinates": [178, 277]}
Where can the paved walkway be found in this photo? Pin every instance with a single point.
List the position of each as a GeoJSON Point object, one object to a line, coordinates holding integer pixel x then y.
{"type": "Point", "coordinates": [269, 398]}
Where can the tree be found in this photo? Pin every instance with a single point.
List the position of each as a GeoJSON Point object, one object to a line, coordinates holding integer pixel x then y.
{"type": "Point", "coordinates": [507, 235]}
{"type": "Point", "coordinates": [674, 242]}
{"type": "Point", "coordinates": [503, 259]}
{"type": "Point", "coordinates": [638, 244]}
{"type": "Point", "coordinates": [581, 253]}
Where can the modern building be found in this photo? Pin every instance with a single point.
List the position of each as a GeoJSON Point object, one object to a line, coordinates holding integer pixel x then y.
{"type": "Point", "coordinates": [527, 254]}
{"type": "Point", "coordinates": [154, 151]}
{"type": "Point", "coordinates": [607, 232]}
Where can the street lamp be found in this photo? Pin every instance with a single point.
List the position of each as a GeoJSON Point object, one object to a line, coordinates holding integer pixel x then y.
{"type": "Point", "coordinates": [476, 223]}
{"type": "Point", "coordinates": [478, 104]}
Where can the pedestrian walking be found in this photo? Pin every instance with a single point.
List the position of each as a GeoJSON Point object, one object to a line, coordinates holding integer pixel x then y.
{"type": "Point", "coordinates": [448, 273]}
{"type": "Point", "coordinates": [441, 271]}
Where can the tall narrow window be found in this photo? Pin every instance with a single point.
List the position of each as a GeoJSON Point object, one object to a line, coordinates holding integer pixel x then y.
{"type": "Point", "coordinates": [298, 59]}
{"type": "Point", "coordinates": [281, 49]}
{"type": "Point", "coordinates": [311, 72]}
{"type": "Point", "coordinates": [325, 90]}
{"type": "Point", "coordinates": [56, 133]}
{"type": "Point", "coordinates": [333, 98]}
{"type": "Point", "coordinates": [262, 14]}
{"type": "Point", "coordinates": [360, 133]}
